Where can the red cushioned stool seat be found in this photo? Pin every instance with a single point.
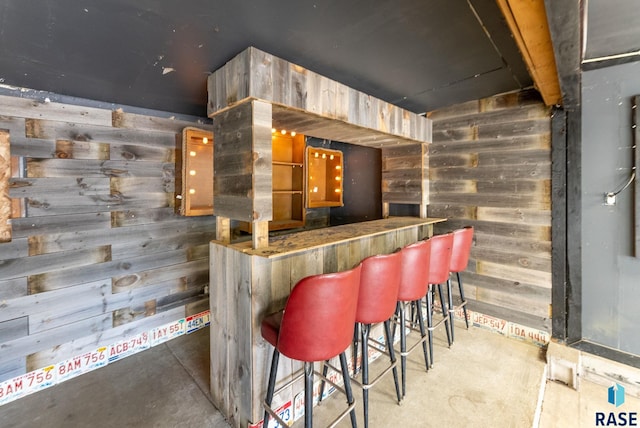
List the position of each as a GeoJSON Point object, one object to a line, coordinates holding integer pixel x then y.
{"type": "Point", "coordinates": [316, 324]}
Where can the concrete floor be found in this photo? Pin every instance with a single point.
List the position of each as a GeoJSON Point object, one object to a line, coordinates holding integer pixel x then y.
{"type": "Point", "coordinates": [484, 380]}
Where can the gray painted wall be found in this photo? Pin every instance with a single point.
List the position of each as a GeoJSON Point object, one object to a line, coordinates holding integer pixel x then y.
{"type": "Point", "coordinates": [610, 273]}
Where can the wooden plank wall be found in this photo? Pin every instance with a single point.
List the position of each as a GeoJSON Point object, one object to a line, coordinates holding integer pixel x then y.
{"type": "Point", "coordinates": [98, 253]}
{"type": "Point", "coordinates": [242, 159]}
{"type": "Point", "coordinates": [259, 75]}
{"type": "Point", "coordinates": [251, 287]}
{"type": "Point", "coordinates": [405, 175]}
{"type": "Point", "coordinates": [490, 167]}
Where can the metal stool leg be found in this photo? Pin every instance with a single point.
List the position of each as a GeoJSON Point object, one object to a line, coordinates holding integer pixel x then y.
{"type": "Point", "coordinates": [445, 314]}
{"type": "Point", "coordinates": [347, 388]}
{"type": "Point", "coordinates": [418, 305]}
{"type": "Point", "coordinates": [356, 334]}
{"type": "Point", "coordinates": [365, 329]}
{"type": "Point", "coordinates": [272, 384]}
{"type": "Point", "coordinates": [308, 395]}
{"type": "Point", "coordinates": [464, 301]}
{"type": "Point", "coordinates": [392, 355]}
{"type": "Point", "coordinates": [452, 314]}
{"type": "Point", "coordinates": [430, 322]}
{"type": "Point", "coordinates": [403, 348]}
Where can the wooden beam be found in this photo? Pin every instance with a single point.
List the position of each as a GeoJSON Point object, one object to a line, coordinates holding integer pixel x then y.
{"type": "Point", "coordinates": [311, 104]}
{"type": "Point", "coordinates": [223, 229]}
{"type": "Point", "coordinates": [5, 201]}
{"type": "Point", "coordinates": [527, 20]}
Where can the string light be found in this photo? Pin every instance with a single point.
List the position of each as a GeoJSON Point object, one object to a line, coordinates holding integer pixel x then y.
{"type": "Point", "coordinates": [192, 153]}
{"type": "Point", "coordinates": [205, 140]}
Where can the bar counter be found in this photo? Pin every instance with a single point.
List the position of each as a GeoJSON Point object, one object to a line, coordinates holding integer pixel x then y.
{"type": "Point", "coordinates": [246, 284]}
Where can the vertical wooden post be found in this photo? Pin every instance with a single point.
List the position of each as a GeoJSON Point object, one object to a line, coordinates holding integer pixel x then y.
{"type": "Point", "coordinates": [223, 229]}
{"type": "Point", "coordinates": [635, 122]}
{"type": "Point", "coordinates": [385, 210]}
{"type": "Point", "coordinates": [260, 236]}
{"type": "Point", "coordinates": [5, 174]}
{"type": "Point", "coordinates": [425, 180]}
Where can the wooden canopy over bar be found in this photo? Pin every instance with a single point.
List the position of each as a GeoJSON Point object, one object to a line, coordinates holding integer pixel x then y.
{"type": "Point", "coordinates": [256, 92]}
{"type": "Point", "coordinates": [312, 104]}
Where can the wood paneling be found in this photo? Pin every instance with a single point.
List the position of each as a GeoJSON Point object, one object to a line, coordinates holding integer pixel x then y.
{"type": "Point", "coordinates": [311, 104]}
{"type": "Point", "coordinates": [243, 191]}
{"type": "Point", "coordinates": [405, 175]}
{"type": "Point", "coordinates": [246, 287]}
{"type": "Point", "coordinates": [98, 252]}
{"type": "Point", "coordinates": [490, 167]}
{"type": "Point", "coordinates": [5, 175]}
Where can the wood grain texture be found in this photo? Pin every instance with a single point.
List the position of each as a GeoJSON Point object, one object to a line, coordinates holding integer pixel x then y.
{"type": "Point", "coordinates": [5, 175]}
{"type": "Point", "coordinates": [97, 251]}
{"type": "Point", "coordinates": [490, 167]}
{"type": "Point", "coordinates": [246, 286]}
{"type": "Point", "coordinates": [312, 104]}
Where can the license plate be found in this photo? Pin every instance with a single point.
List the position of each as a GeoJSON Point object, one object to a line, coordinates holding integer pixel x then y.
{"type": "Point", "coordinates": [80, 364]}
{"type": "Point", "coordinates": [198, 321]}
{"type": "Point", "coordinates": [284, 412]}
{"type": "Point", "coordinates": [130, 346]}
{"type": "Point", "coordinates": [40, 379]}
{"type": "Point", "coordinates": [167, 332]}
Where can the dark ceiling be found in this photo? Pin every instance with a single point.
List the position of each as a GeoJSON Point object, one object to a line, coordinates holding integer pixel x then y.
{"type": "Point", "coordinates": [418, 54]}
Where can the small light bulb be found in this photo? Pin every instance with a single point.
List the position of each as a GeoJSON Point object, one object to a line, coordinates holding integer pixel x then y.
{"type": "Point", "coordinates": [283, 132]}
{"type": "Point", "coordinates": [338, 178]}
{"type": "Point", "coordinates": [324, 156]}
{"type": "Point", "coordinates": [331, 157]}
{"type": "Point", "coordinates": [192, 153]}
{"type": "Point", "coordinates": [205, 140]}
{"type": "Point", "coordinates": [337, 190]}
{"type": "Point", "coordinates": [273, 130]}
{"type": "Point", "coordinates": [192, 191]}
{"type": "Point", "coordinates": [338, 167]}
{"type": "Point", "coordinates": [316, 154]}
{"type": "Point", "coordinates": [192, 172]}
{"type": "Point", "coordinates": [315, 189]}
{"type": "Point", "coordinates": [293, 133]}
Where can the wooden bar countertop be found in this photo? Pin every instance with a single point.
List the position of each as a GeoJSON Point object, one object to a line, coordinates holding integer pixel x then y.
{"type": "Point", "coordinates": [315, 238]}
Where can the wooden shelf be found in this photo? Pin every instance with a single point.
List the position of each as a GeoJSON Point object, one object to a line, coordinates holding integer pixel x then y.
{"type": "Point", "coordinates": [287, 163]}
{"type": "Point", "coordinates": [287, 181]}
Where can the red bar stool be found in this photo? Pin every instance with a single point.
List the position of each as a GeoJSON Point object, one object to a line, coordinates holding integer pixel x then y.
{"type": "Point", "coordinates": [413, 288]}
{"type": "Point", "coordinates": [315, 325]}
{"type": "Point", "coordinates": [462, 241]}
{"type": "Point", "coordinates": [379, 285]}
{"type": "Point", "coordinates": [440, 259]}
